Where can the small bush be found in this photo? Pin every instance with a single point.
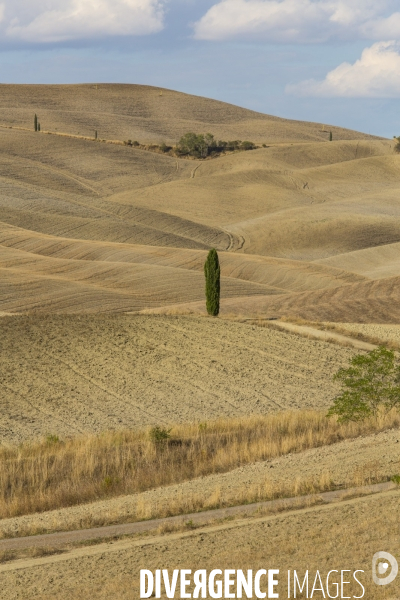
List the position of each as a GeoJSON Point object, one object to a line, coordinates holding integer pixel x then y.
{"type": "Point", "coordinates": [110, 482]}
{"type": "Point", "coordinates": [247, 146]}
{"type": "Point", "coordinates": [396, 479]}
{"type": "Point", "coordinates": [165, 148]}
{"type": "Point", "coordinates": [135, 143]}
{"type": "Point", "coordinates": [159, 434]}
{"type": "Point", "coordinates": [52, 439]}
{"type": "Point", "coordinates": [397, 146]}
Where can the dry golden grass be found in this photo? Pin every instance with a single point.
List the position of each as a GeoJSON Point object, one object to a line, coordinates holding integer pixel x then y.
{"type": "Point", "coordinates": [10, 555]}
{"type": "Point", "coordinates": [52, 474]}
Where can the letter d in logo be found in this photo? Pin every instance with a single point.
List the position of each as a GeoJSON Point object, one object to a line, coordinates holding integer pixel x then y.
{"type": "Point", "coordinates": [380, 568]}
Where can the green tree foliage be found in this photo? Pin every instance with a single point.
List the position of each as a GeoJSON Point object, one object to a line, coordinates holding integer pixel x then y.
{"type": "Point", "coordinates": [164, 147]}
{"type": "Point", "coordinates": [201, 146]}
{"type": "Point", "coordinates": [212, 273]}
{"type": "Point", "coordinates": [330, 136]}
{"type": "Point", "coordinates": [370, 384]}
{"type": "Point", "coordinates": [247, 146]}
{"type": "Point", "coordinates": [196, 145]}
{"type": "Point", "coordinates": [35, 123]}
{"type": "Point", "coordinates": [397, 146]}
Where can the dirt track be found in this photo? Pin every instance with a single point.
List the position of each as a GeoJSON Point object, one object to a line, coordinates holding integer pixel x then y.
{"type": "Point", "coordinates": [346, 463]}
{"type": "Point", "coordinates": [82, 536]}
{"type": "Point", "coordinates": [328, 336]}
{"type": "Point", "coordinates": [323, 538]}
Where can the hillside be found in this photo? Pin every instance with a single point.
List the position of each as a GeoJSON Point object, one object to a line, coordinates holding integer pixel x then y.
{"type": "Point", "coordinates": [149, 114]}
{"type": "Point", "coordinates": [87, 226]}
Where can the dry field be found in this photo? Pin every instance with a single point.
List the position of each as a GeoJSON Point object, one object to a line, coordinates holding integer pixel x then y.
{"type": "Point", "coordinates": [149, 114]}
{"type": "Point", "coordinates": [303, 226]}
{"type": "Point", "coordinates": [69, 374]}
{"type": "Point", "coordinates": [103, 330]}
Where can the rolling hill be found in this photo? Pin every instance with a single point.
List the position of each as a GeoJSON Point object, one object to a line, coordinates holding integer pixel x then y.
{"type": "Point", "coordinates": [303, 226]}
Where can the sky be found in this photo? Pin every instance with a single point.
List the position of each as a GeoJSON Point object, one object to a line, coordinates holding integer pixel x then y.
{"type": "Point", "coordinates": [332, 61]}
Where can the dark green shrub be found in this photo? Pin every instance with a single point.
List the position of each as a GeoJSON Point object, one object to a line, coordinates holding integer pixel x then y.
{"type": "Point", "coordinates": [165, 148]}
{"type": "Point", "coordinates": [212, 274]}
{"type": "Point", "coordinates": [135, 143]}
{"type": "Point", "coordinates": [233, 145]}
{"type": "Point", "coordinates": [159, 434]}
{"type": "Point", "coordinates": [52, 439]}
{"type": "Point", "coordinates": [247, 146]}
{"type": "Point", "coordinates": [330, 136]}
{"type": "Point", "coordinates": [35, 123]}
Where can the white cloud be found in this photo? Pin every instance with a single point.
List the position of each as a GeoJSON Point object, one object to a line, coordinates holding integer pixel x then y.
{"type": "Point", "coordinates": [46, 21]}
{"type": "Point", "coordinates": [300, 20]}
{"type": "Point", "coordinates": [376, 75]}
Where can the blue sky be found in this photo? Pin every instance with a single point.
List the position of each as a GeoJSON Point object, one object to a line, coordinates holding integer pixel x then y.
{"type": "Point", "coordinates": [322, 60]}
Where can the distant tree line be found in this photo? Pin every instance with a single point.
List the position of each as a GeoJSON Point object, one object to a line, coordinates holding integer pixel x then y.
{"type": "Point", "coordinates": [197, 146]}
{"type": "Point", "coordinates": [201, 146]}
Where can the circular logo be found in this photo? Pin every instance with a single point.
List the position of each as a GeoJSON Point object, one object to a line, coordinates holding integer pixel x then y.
{"type": "Point", "coordinates": [381, 563]}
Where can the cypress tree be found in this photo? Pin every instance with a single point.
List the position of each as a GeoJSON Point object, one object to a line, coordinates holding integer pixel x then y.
{"type": "Point", "coordinates": [212, 273]}
{"type": "Point", "coordinates": [35, 123]}
{"type": "Point", "coordinates": [330, 136]}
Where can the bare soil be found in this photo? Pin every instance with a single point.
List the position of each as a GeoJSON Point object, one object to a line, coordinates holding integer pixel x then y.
{"type": "Point", "coordinates": [64, 375]}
